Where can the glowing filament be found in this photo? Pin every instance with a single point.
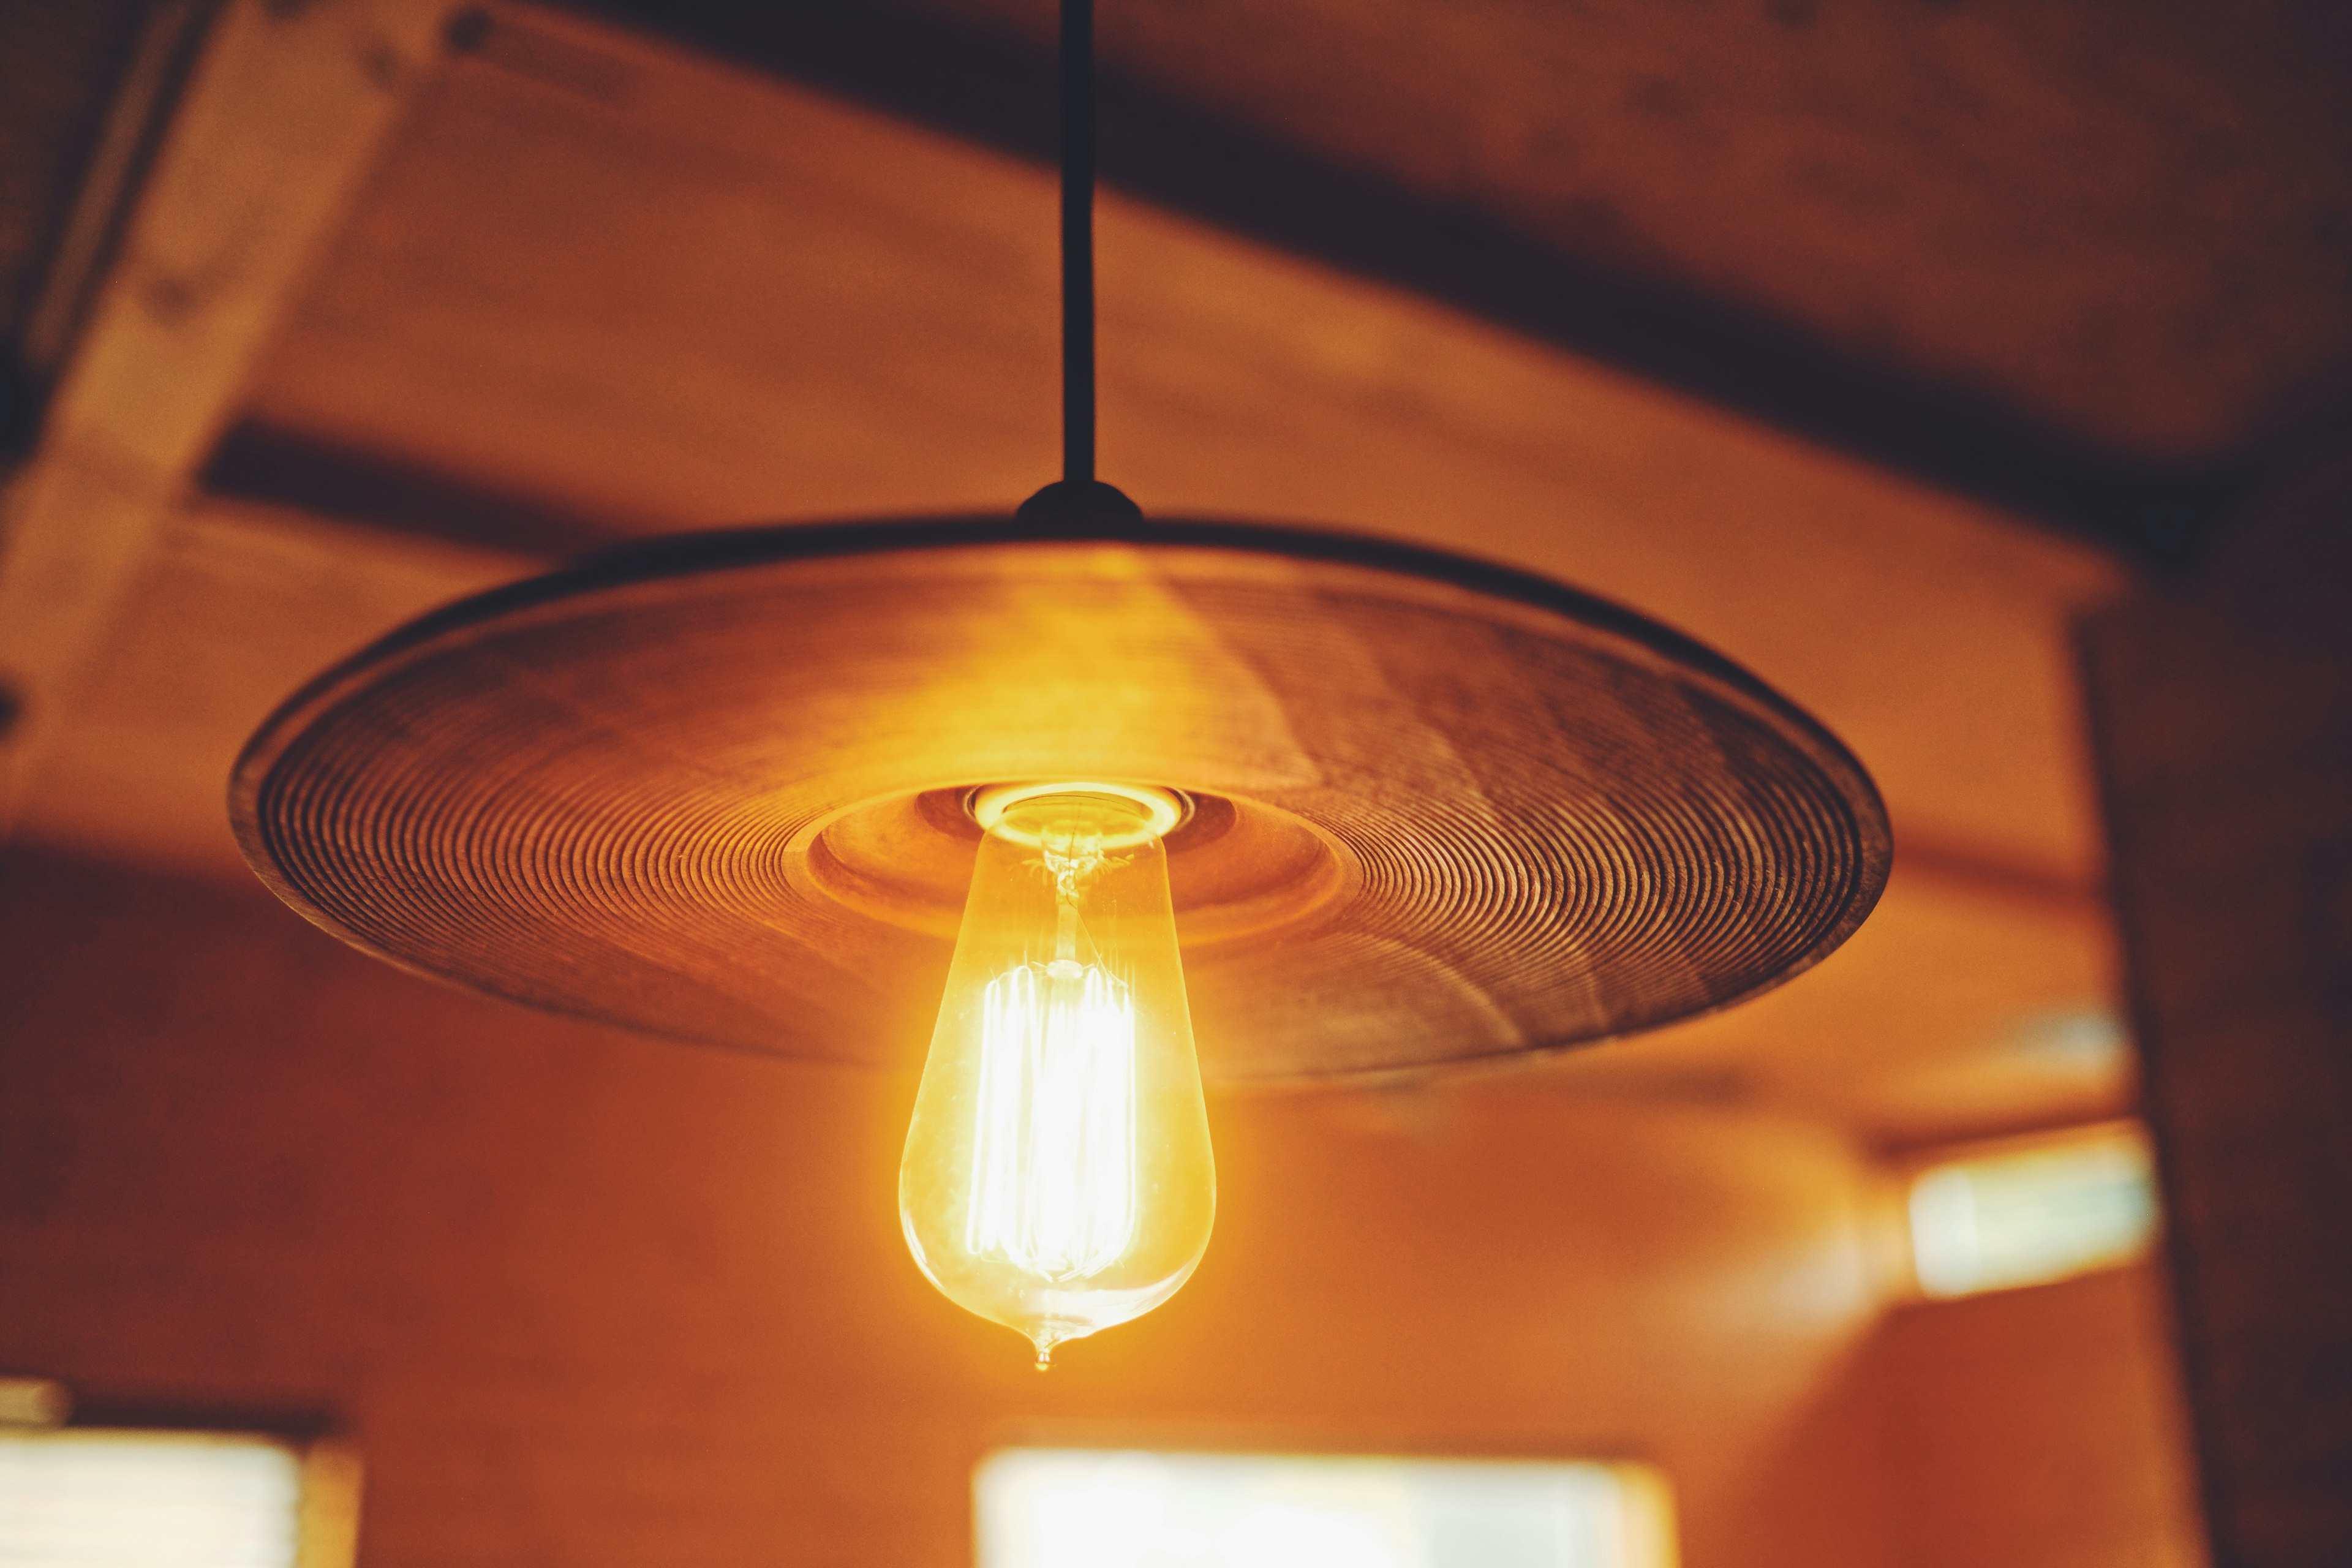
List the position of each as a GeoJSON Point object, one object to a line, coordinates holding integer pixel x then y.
{"type": "Point", "coordinates": [1052, 1164]}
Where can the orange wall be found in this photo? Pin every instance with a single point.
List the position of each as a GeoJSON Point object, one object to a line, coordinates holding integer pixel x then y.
{"type": "Point", "coordinates": [2038, 1426]}
{"type": "Point", "coordinates": [2033, 1428]}
{"type": "Point", "coordinates": [586, 1299]}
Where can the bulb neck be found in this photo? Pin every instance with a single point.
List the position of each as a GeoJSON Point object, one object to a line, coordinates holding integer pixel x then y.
{"type": "Point", "coordinates": [1155, 813]}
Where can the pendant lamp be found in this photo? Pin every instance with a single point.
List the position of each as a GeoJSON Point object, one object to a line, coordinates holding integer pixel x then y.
{"type": "Point", "coordinates": [1099, 806]}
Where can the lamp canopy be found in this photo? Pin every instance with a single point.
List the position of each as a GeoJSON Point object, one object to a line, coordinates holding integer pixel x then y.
{"type": "Point", "coordinates": [720, 788]}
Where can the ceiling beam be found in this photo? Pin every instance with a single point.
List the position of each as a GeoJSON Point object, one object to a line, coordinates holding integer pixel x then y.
{"type": "Point", "coordinates": [999, 89]}
{"type": "Point", "coordinates": [280, 120]}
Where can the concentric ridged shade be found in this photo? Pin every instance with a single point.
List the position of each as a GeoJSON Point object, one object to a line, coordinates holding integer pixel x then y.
{"type": "Point", "coordinates": [712, 789]}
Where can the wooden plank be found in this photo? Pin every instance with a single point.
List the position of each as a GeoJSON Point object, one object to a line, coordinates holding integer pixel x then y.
{"type": "Point", "coordinates": [237, 606]}
{"type": "Point", "coordinates": [280, 120]}
{"type": "Point", "coordinates": [1427, 148]}
{"type": "Point", "coordinates": [2225, 736]}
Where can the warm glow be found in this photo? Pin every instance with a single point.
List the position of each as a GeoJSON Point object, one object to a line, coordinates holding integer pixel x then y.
{"type": "Point", "coordinates": [1052, 1165]}
{"type": "Point", "coordinates": [1046, 1507]}
{"type": "Point", "coordinates": [1057, 1177]}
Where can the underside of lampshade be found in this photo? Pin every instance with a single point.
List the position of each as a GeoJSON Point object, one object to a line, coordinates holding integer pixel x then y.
{"type": "Point", "coordinates": [717, 788]}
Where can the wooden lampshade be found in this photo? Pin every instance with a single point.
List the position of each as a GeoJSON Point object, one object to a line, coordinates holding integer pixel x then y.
{"type": "Point", "coordinates": [717, 788]}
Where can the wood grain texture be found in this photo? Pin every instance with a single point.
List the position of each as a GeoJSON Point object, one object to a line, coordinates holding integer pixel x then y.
{"type": "Point", "coordinates": [2126, 227]}
{"type": "Point", "coordinates": [283, 112]}
{"type": "Point", "coordinates": [595, 793]}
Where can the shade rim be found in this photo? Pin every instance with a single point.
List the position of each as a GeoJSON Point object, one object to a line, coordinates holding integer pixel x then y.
{"type": "Point", "coordinates": [688, 556]}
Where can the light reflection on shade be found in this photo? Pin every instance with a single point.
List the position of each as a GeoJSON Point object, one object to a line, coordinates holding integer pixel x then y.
{"type": "Point", "coordinates": [1044, 1508]}
{"type": "Point", "coordinates": [2033, 1214]}
{"type": "Point", "coordinates": [147, 1500]}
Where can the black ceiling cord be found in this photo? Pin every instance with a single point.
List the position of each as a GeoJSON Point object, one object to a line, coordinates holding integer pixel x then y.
{"type": "Point", "coordinates": [1078, 241]}
{"type": "Point", "coordinates": [1078, 498]}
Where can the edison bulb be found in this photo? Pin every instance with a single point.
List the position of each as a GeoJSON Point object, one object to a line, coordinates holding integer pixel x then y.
{"type": "Point", "coordinates": [1057, 1177]}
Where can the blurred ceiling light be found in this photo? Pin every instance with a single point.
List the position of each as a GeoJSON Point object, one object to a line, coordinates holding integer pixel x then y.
{"type": "Point", "coordinates": [1046, 1507]}
{"type": "Point", "coordinates": [2032, 1211]}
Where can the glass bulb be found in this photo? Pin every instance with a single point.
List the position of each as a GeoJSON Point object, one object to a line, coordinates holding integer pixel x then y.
{"type": "Point", "coordinates": [1057, 1177]}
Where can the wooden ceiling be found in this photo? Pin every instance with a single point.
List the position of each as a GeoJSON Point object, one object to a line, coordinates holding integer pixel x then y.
{"type": "Point", "coordinates": [542, 282]}
{"type": "Point", "coordinates": [2135, 235]}
{"type": "Point", "coordinates": [2087, 262]}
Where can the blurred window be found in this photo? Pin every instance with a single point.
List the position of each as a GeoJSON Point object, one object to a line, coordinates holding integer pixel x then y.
{"type": "Point", "coordinates": [1059, 1507]}
{"type": "Point", "coordinates": [76, 1497]}
{"type": "Point", "coordinates": [2032, 1212]}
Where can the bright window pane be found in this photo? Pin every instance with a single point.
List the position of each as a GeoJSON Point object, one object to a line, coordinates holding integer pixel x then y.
{"type": "Point", "coordinates": [147, 1500]}
{"type": "Point", "coordinates": [2028, 1215]}
{"type": "Point", "coordinates": [1046, 1507]}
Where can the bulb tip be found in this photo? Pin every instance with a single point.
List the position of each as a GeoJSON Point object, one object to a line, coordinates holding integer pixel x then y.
{"type": "Point", "coordinates": [1044, 1358]}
